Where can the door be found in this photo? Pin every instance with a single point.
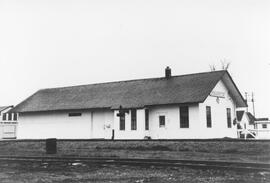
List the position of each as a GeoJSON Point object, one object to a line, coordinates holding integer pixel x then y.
{"type": "Point", "coordinates": [162, 126]}
{"type": "Point", "coordinates": [98, 124]}
{"type": "Point", "coordinates": [102, 124]}
{"type": "Point", "coordinates": [108, 127]}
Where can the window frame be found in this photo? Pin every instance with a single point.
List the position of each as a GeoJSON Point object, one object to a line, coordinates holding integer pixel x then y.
{"type": "Point", "coordinates": [133, 119]}
{"type": "Point", "coordinates": [229, 117]}
{"type": "Point", "coordinates": [146, 118]}
{"type": "Point", "coordinates": [184, 116]}
{"type": "Point", "coordinates": [264, 126]}
{"type": "Point", "coordinates": [9, 116]}
{"type": "Point", "coordinates": [74, 114]}
{"type": "Point", "coordinates": [161, 117]}
{"type": "Point", "coordinates": [15, 117]}
{"type": "Point", "coordinates": [4, 117]}
{"type": "Point", "coordinates": [122, 122]}
{"type": "Point", "coordinates": [208, 117]}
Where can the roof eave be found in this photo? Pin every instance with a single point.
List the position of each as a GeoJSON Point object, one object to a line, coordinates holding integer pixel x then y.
{"type": "Point", "coordinates": [211, 88]}
{"type": "Point", "coordinates": [61, 110]}
{"type": "Point", "coordinates": [5, 107]}
{"type": "Point", "coordinates": [242, 98]}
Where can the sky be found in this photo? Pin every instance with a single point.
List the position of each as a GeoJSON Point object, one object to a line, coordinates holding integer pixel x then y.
{"type": "Point", "coordinates": [54, 43]}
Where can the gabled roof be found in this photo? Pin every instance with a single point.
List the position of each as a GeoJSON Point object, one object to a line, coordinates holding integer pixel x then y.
{"type": "Point", "coordinates": [191, 88]}
{"type": "Point", "coordinates": [251, 118]}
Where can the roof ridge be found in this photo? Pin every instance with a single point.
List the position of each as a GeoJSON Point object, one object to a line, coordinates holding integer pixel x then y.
{"type": "Point", "coordinates": [132, 80]}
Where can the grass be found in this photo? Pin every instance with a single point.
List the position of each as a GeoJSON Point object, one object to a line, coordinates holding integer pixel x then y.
{"type": "Point", "coordinates": [37, 172]}
{"type": "Point", "coordinates": [220, 150]}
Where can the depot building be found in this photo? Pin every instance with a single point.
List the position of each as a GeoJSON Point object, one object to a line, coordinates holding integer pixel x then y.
{"type": "Point", "coordinates": [192, 106]}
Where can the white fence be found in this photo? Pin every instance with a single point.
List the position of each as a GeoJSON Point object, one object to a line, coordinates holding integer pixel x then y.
{"type": "Point", "coordinates": [255, 133]}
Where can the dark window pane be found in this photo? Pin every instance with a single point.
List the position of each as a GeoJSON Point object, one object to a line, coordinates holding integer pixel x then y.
{"type": "Point", "coordinates": [229, 118]}
{"type": "Point", "coordinates": [184, 117]}
{"type": "Point", "coordinates": [9, 116]}
{"type": "Point", "coordinates": [264, 125]}
{"type": "Point", "coordinates": [146, 119]}
{"type": "Point", "coordinates": [15, 117]}
{"type": "Point", "coordinates": [122, 122]}
{"type": "Point", "coordinates": [161, 121]}
{"type": "Point", "coordinates": [208, 117]}
{"type": "Point", "coordinates": [74, 114]}
{"type": "Point", "coordinates": [133, 119]}
{"type": "Point", "coordinates": [5, 116]}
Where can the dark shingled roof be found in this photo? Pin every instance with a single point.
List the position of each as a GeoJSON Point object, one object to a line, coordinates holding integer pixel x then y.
{"type": "Point", "coordinates": [192, 88]}
{"type": "Point", "coordinates": [251, 118]}
{"type": "Point", "coordinates": [262, 119]}
{"type": "Point", "coordinates": [239, 115]}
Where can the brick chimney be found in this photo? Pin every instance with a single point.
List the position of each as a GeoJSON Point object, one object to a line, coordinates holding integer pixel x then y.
{"type": "Point", "coordinates": [168, 72]}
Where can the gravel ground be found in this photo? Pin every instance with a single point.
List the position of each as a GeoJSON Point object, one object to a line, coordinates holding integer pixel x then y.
{"type": "Point", "coordinates": [36, 172]}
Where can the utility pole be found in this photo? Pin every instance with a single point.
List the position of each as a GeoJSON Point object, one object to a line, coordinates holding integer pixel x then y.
{"type": "Point", "coordinates": [246, 95]}
{"type": "Point", "coordinates": [252, 100]}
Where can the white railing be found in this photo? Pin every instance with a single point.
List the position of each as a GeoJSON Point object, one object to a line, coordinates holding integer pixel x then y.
{"type": "Point", "coordinates": [253, 132]}
{"type": "Point", "coordinates": [246, 132]}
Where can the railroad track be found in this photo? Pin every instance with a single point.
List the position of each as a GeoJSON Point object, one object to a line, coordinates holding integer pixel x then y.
{"type": "Point", "coordinates": [146, 162]}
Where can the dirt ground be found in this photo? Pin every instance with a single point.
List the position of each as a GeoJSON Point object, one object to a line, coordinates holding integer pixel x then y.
{"type": "Point", "coordinates": [37, 172]}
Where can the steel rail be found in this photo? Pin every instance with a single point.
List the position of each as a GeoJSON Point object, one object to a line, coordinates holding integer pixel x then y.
{"type": "Point", "coordinates": [144, 162]}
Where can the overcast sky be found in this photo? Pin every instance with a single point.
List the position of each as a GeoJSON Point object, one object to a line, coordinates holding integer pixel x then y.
{"type": "Point", "coordinates": [62, 42]}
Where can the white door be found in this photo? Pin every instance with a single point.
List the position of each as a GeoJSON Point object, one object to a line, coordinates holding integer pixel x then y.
{"type": "Point", "coordinates": [109, 117]}
{"type": "Point", "coordinates": [98, 125]}
{"type": "Point", "coordinates": [162, 126]}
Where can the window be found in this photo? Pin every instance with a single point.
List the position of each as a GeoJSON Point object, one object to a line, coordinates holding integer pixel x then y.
{"type": "Point", "coordinates": [122, 122]}
{"type": "Point", "coordinates": [15, 117]}
{"type": "Point", "coordinates": [9, 116]}
{"type": "Point", "coordinates": [146, 119]}
{"type": "Point", "coordinates": [4, 116]}
{"type": "Point", "coordinates": [133, 119]}
{"type": "Point", "coordinates": [184, 118]}
{"type": "Point", "coordinates": [229, 118]}
{"type": "Point", "coordinates": [74, 114]}
{"type": "Point", "coordinates": [208, 117]}
{"type": "Point", "coordinates": [264, 125]}
{"type": "Point", "coordinates": [161, 121]}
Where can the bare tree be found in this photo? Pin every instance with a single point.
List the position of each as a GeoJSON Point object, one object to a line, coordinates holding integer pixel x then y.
{"type": "Point", "coordinates": [225, 65]}
{"type": "Point", "coordinates": [212, 67]}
